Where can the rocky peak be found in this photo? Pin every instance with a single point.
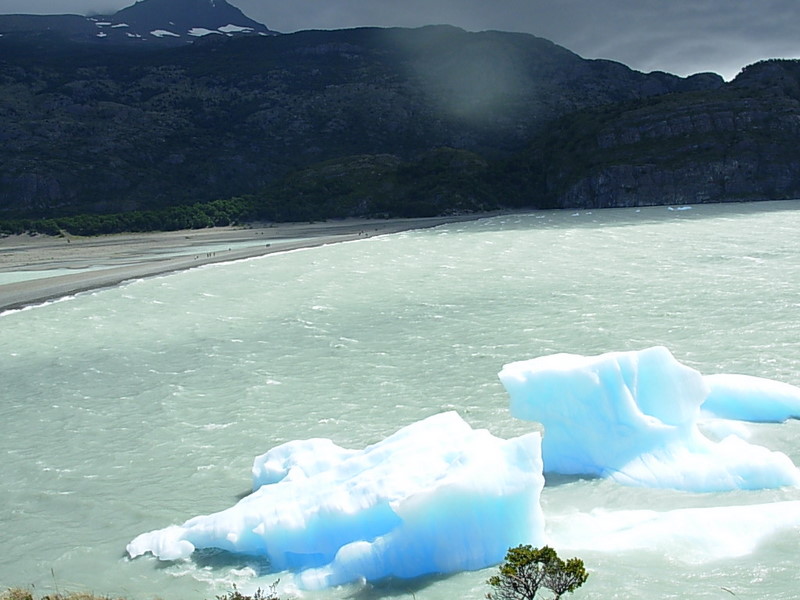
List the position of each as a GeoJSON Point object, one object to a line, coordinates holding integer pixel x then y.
{"type": "Point", "coordinates": [182, 18]}
{"type": "Point", "coordinates": [156, 22]}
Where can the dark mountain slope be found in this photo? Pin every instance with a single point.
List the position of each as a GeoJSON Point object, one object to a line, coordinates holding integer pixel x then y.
{"type": "Point", "coordinates": [87, 131]}
{"type": "Point", "coordinates": [735, 143]}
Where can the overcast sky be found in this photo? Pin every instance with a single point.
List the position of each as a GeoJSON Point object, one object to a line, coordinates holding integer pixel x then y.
{"type": "Point", "coordinates": [678, 36]}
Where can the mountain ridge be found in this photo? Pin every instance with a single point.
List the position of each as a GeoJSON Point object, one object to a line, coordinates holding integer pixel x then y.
{"type": "Point", "coordinates": [380, 122]}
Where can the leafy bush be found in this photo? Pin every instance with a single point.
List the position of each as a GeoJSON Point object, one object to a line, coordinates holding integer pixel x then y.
{"type": "Point", "coordinates": [526, 570]}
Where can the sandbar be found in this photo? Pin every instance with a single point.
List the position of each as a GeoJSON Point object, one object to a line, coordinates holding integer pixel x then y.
{"type": "Point", "coordinates": [38, 268]}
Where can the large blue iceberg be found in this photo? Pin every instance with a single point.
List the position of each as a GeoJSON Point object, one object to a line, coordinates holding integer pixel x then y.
{"type": "Point", "coordinates": [435, 497]}
{"type": "Point", "coordinates": [633, 417]}
{"type": "Point", "coordinates": [440, 497]}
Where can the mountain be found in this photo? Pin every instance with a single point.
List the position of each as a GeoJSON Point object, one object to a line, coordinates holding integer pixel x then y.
{"type": "Point", "coordinates": [106, 131]}
{"type": "Point", "coordinates": [146, 23]}
{"type": "Point", "coordinates": [375, 122]}
{"type": "Point", "coordinates": [182, 19]}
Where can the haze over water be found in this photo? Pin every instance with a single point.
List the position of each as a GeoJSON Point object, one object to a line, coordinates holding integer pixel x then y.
{"type": "Point", "coordinates": [133, 408]}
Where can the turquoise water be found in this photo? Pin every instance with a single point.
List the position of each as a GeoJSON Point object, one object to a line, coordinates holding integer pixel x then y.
{"type": "Point", "coordinates": [129, 409]}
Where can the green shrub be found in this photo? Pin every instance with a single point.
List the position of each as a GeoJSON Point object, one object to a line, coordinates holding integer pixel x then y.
{"type": "Point", "coordinates": [527, 570]}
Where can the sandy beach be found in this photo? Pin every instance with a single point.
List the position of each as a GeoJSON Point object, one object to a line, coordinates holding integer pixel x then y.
{"type": "Point", "coordinates": [34, 269]}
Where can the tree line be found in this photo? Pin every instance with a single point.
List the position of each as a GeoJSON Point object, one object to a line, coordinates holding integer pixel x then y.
{"type": "Point", "coordinates": [218, 213]}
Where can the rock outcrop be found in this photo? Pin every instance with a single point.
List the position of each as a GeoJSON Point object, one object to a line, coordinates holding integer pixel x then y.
{"type": "Point", "coordinates": [734, 143]}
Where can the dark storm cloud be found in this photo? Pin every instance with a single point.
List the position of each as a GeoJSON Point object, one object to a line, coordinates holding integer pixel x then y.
{"type": "Point", "coordinates": [679, 36]}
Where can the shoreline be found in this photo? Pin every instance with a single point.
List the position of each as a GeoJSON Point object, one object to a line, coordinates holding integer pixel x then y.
{"type": "Point", "coordinates": [107, 261]}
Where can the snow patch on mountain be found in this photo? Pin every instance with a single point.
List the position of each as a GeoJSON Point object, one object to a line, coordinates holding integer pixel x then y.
{"type": "Point", "coordinates": [202, 31]}
{"type": "Point", "coordinates": [231, 28]}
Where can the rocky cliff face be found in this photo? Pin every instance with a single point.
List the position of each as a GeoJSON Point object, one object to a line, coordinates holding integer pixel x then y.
{"type": "Point", "coordinates": [719, 180]}
{"type": "Point", "coordinates": [735, 143]}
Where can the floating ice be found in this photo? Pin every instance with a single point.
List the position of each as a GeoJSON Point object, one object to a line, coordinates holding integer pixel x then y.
{"type": "Point", "coordinates": [748, 398]}
{"type": "Point", "coordinates": [632, 416]}
{"type": "Point", "coordinates": [435, 497]}
{"type": "Point", "coordinates": [689, 535]}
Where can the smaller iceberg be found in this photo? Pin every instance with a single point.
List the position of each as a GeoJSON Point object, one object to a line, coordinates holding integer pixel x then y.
{"type": "Point", "coordinates": [748, 398]}
{"type": "Point", "coordinates": [689, 535]}
{"type": "Point", "coordinates": [632, 417]}
{"type": "Point", "coordinates": [435, 497]}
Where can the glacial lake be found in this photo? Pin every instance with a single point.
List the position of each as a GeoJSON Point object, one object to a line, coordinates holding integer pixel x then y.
{"type": "Point", "coordinates": [129, 409]}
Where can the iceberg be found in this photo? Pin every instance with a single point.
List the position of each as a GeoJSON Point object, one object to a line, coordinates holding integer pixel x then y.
{"type": "Point", "coordinates": [633, 417]}
{"type": "Point", "coordinates": [434, 497]}
{"type": "Point", "coordinates": [748, 398]}
{"type": "Point", "coordinates": [689, 535]}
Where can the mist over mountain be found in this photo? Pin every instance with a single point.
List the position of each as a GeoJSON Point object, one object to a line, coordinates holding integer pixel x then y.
{"type": "Point", "coordinates": [366, 122]}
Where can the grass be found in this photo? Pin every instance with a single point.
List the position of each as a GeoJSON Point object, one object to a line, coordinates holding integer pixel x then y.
{"type": "Point", "coordinates": [23, 594]}
{"type": "Point", "coordinates": [26, 594]}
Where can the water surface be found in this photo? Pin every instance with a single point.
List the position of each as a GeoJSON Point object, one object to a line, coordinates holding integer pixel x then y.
{"type": "Point", "coordinates": [132, 408]}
